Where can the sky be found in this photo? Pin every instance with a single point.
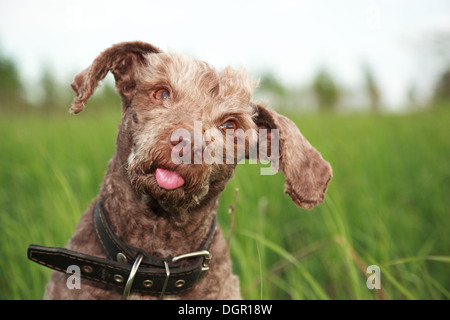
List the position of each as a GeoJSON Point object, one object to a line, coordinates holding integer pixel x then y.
{"type": "Point", "coordinates": [290, 38]}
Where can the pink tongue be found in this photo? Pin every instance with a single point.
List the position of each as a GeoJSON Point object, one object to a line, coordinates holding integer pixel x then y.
{"type": "Point", "coordinates": [168, 179]}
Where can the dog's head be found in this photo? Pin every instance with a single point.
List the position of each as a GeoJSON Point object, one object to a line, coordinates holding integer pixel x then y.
{"type": "Point", "coordinates": [186, 125]}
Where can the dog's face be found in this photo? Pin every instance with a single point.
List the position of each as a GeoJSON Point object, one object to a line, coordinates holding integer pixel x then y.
{"type": "Point", "coordinates": [185, 126]}
{"type": "Point", "coordinates": [178, 120]}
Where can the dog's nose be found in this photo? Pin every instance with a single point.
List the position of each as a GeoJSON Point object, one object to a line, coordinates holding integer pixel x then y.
{"type": "Point", "coordinates": [188, 141]}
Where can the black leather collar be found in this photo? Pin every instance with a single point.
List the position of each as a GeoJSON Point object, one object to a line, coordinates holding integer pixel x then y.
{"type": "Point", "coordinates": [126, 267]}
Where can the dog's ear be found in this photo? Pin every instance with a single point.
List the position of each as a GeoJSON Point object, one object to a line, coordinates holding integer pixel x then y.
{"type": "Point", "coordinates": [122, 60]}
{"type": "Point", "coordinates": [307, 174]}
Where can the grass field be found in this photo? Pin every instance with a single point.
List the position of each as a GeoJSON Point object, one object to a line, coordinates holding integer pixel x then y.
{"type": "Point", "coordinates": [387, 205]}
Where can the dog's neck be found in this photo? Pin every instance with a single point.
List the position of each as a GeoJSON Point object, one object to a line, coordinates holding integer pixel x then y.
{"type": "Point", "coordinates": [140, 221]}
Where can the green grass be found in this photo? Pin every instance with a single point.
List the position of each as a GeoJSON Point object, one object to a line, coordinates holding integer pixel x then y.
{"type": "Point", "coordinates": [387, 205]}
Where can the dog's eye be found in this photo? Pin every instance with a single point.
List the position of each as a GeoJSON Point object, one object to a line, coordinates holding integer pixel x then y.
{"type": "Point", "coordinates": [161, 94]}
{"type": "Point", "coordinates": [228, 125]}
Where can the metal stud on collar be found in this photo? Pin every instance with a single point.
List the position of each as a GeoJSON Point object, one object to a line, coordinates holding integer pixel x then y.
{"type": "Point", "coordinates": [128, 285]}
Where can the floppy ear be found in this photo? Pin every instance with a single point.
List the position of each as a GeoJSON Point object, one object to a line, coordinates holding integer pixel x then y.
{"type": "Point", "coordinates": [122, 60]}
{"type": "Point", "coordinates": [307, 174]}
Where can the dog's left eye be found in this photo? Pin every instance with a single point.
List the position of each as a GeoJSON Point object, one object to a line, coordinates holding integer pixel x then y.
{"type": "Point", "coordinates": [228, 125]}
{"type": "Point", "coordinates": [161, 94]}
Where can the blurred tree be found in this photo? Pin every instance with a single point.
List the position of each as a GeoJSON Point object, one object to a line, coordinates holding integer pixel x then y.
{"type": "Point", "coordinates": [105, 98]}
{"type": "Point", "coordinates": [11, 88]}
{"type": "Point", "coordinates": [371, 88]}
{"type": "Point", "coordinates": [433, 50]}
{"type": "Point", "coordinates": [269, 83]}
{"type": "Point", "coordinates": [442, 88]}
{"type": "Point", "coordinates": [271, 89]}
{"type": "Point", "coordinates": [438, 47]}
{"type": "Point", "coordinates": [50, 90]}
{"type": "Point", "coordinates": [440, 52]}
{"type": "Point", "coordinates": [281, 95]}
{"type": "Point", "coordinates": [325, 90]}
{"type": "Point", "coordinates": [55, 95]}
{"type": "Point", "coordinates": [411, 96]}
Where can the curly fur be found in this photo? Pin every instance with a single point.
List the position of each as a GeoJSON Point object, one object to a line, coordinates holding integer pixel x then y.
{"type": "Point", "coordinates": [173, 222]}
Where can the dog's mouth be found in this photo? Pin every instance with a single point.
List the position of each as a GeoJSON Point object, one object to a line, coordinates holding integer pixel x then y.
{"type": "Point", "coordinates": [181, 186]}
{"type": "Point", "coordinates": [168, 179]}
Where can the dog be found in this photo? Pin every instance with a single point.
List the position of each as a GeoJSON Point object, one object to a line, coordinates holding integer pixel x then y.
{"type": "Point", "coordinates": [151, 232]}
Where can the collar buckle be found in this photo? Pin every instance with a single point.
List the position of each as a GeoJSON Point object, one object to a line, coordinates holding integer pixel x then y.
{"type": "Point", "coordinates": [205, 265]}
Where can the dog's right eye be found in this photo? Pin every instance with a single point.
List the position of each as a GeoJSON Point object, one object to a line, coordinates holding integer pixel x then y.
{"type": "Point", "coordinates": [161, 94]}
{"type": "Point", "coordinates": [228, 125]}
